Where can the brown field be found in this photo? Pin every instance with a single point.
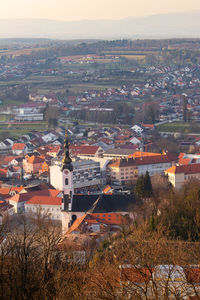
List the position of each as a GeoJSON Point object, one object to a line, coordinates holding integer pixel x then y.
{"type": "Point", "coordinates": [19, 52]}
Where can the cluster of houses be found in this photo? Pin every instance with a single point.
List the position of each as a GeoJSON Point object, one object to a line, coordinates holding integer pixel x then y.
{"type": "Point", "coordinates": [165, 87]}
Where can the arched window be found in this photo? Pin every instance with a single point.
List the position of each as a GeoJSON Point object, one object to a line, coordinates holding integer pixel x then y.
{"type": "Point", "coordinates": [74, 217]}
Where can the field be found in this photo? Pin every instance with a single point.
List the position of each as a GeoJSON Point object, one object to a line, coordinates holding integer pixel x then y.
{"type": "Point", "coordinates": [180, 127]}
{"type": "Point", "coordinates": [18, 129]}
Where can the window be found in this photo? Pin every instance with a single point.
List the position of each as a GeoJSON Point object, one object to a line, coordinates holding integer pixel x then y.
{"type": "Point", "coordinates": [66, 181]}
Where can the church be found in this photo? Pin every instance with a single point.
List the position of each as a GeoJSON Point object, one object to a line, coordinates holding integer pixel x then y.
{"type": "Point", "coordinates": [75, 206]}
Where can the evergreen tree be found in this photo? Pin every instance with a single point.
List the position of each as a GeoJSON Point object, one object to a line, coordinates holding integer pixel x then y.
{"type": "Point", "coordinates": [139, 187]}
{"type": "Point", "coordinates": [143, 186]}
{"type": "Point", "coordinates": [148, 185]}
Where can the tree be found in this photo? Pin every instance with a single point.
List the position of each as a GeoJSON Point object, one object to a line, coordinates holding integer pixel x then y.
{"type": "Point", "coordinates": [51, 115]}
{"type": "Point", "coordinates": [148, 185]}
{"type": "Point", "coordinates": [145, 265]}
{"type": "Point", "coordinates": [151, 113]}
{"type": "Point", "coordinates": [143, 186]}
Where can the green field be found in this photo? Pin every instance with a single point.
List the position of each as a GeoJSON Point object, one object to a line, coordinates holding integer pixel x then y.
{"type": "Point", "coordinates": [20, 129]}
{"type": "Point", "coordinates": [180, 127]}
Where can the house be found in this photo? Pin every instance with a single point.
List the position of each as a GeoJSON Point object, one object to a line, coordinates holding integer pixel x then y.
{"type": "Point", "coordinates": [19, 148]}
{"type": "Point", "coordinates": [4, 146]}
{"type": "Point", "coordinates": [16, 161]}
{"type": "Point", "coordinates": [49, 137]}
{"type": "Point", "coordinates": [178, 175]}
{"type": "Point", "coordinates": [14, 172]}
{"type": "Point", "coordinates": [138, 129]}
{"type": "Point", "coordinates": [32, 164]}
{"type": "Point", "coordinates": [53, 150]}
{"type": "Point", "coordinates": [6, 210]}
{"type": "Point", "coordinates": [45, 167]}
{"type": "Point", "coordinates": [136, 141]}
{"type": "Point", "coordinates": [18, 201]}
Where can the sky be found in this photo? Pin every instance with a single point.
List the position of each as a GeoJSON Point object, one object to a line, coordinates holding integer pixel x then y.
{"type": "Point", "coordinates": [73, 10]}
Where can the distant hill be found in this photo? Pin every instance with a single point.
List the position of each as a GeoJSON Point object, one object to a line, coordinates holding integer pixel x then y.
{"type": "Point", "coordinates": [156, 26]}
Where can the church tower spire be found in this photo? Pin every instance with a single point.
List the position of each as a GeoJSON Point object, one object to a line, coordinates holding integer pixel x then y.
{"type": "Point", "coordinates": [66, 162]}
{"type": "Point", "coordinates": [67, 177]}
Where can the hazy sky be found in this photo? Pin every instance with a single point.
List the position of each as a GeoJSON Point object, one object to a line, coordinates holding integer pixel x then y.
{"type": "Point", "coordinates": [69, 10]}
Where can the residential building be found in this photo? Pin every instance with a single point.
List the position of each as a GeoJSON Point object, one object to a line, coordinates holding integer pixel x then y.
{"type": "Point", "coordinates": [178, 175]}
{"type": "Point", "coordinates": [127, 170]}
{"type": "Point", "coordinates": [32, 164]}
{"type": "Point", "coordinates": [6, 210]}
{"type": "Point", "coordinates": [19, 148]}
{"type": "Point", "coordinates": [86, 175]}
{"type": "Point", "coordinates": [18, 201]}
{"type": "Point", "coordinates": [122, 171]}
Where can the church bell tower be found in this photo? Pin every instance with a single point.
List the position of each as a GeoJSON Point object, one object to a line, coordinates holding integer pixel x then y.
{"type": "Point", "coordinates": [67, 178]}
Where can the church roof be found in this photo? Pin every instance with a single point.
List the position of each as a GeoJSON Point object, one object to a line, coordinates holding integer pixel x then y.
{"type": "Point", "coordinates": [101, 203]}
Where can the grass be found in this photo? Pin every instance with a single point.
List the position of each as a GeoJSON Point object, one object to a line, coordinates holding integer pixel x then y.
{"type": "Point", "coordinates": [10, 101]}
{"type": "Point", "coordinates": [23, 127]}
{"type": "Point", "coordinates": [180, 127]}
{"type": "Point", "coordinates": [16, 130]}
{"type": "Point", "coordinates": [83, 87]}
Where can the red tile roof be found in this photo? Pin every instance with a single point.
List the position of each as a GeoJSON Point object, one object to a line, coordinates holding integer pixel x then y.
{"type": "Point", "coordinates": [84, 150]}
{"type": "Point", "coordinates": [135, 274]}
{"type": "Point", "coordinates": [45, 200]}
{"type": "Point", "coordinates": [96, 218]}
{"type": "Point", "coordinates": [107, 190]}
{"type": "Point", "coordinates": [184, 161]}
{"type": "Point", "coordinates": [144, 154]}
{"type": "Point", "coordinates": [18, 146]}
{"type": "Point", "coordinates": [49, 193]}
{"type": "Point", "coordinates": [35, 159]}
{"type": "Point", "coordinates": [143, 160]}
{"type": "Point", "coordinates": [20, 198]}
{"type": "Point", "coordinates": [186, 169]}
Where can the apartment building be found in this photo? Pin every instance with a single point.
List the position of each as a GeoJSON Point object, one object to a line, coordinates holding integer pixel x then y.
{"type": "Point", "coordinates": [86, 175]}
{"type": "Point", "coordinates": [127, 170]}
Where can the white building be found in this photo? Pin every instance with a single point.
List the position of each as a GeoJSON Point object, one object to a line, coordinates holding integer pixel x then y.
{"type": "Point", "coordinates": [178, 175]}
{"type": "Point", "coordinates": [86, 175]}
{"type": "Point", "coordinates": [29, 117]}
{"type": "Point", "coordinates": [138, 129]}
{"type": "Point", "coordinates": [45, 206]}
